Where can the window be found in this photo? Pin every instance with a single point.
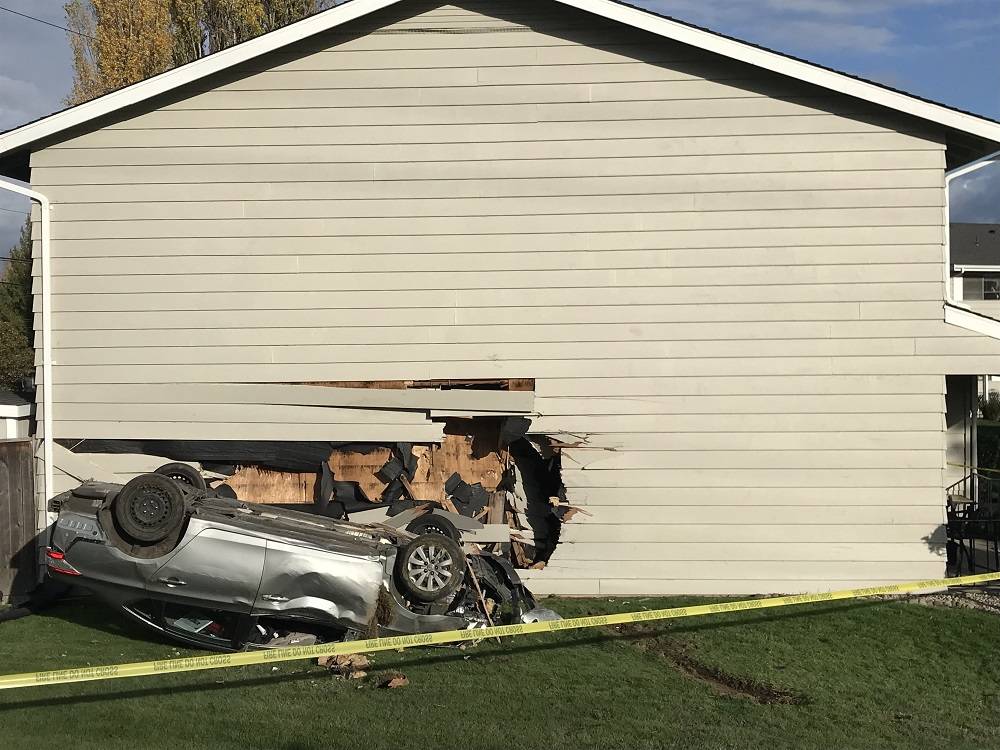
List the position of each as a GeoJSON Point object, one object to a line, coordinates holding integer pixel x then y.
{"type": "Point", "coordinates": [981, 287]}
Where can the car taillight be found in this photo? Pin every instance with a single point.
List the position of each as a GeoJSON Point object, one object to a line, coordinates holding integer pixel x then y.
{"type": "Point", "coordinates": [57, 563]}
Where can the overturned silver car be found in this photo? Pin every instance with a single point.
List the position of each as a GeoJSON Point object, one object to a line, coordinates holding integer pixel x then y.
{"type": "Point", "coordinates": [217, 573]}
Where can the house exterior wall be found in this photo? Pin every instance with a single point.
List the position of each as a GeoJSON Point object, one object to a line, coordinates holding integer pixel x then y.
{"type": "Point", "coordinates": [727, 285]}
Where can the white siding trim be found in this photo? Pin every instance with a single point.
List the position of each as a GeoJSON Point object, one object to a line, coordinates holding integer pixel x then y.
{"type": "Point", "coordinates": [609, 9]}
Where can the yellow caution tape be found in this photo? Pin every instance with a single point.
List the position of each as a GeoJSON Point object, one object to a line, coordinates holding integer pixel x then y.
{"type": "Point", "coordinates": [269, 656]}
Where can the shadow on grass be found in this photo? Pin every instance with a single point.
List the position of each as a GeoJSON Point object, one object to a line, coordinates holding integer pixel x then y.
{"type": "Point", "coordinates": [90, 612]}
{"type": "Point", "coordinates": [128, 630]}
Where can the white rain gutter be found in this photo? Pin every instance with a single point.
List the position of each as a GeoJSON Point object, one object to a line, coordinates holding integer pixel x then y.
{"type": "Point", "coordinates": [45, 208]}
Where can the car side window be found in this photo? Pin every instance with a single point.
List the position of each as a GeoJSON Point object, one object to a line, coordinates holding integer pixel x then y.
{"type": "Point", "coordinates": [207, 625]}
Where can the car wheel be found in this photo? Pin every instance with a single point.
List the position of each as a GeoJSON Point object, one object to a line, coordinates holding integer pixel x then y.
{"type": "Point", "coordinates": [149, 508]}
{"type": "Point", "coordinates": [184, 474]}
{"type": "Point", "coordinates": [430, 568]}
{"type": "Point", "coordinates": [432, 523]}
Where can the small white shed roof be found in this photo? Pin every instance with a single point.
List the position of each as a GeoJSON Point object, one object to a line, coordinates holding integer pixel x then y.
{"type": "Point", "coordinates": [13, 406]}
{"type": "Point", "coordinates": [16, 143]}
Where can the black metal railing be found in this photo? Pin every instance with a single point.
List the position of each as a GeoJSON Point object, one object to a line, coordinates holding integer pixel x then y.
{"type": "Point", "coordinates": [973, 528]}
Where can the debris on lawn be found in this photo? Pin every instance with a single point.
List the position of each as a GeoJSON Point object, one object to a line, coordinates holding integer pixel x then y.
{"type": "Point", "coordinates": [351, 666]}
{"type": "Point", "coordinates": [394, 680]}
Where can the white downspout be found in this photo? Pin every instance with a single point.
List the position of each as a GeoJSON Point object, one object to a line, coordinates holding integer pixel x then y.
{"type": "Point", "coordinates": [44, 207]}
{"type": "Point", "coordinates": [972, 166]}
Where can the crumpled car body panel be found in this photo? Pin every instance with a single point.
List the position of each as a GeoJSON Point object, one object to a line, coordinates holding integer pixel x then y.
{"type": "Point", "coordinates": [251, 561]}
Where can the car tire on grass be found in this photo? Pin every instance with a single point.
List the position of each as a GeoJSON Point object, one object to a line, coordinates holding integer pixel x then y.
{"type": "Point", "coordinates": [149, 508]}
{"type": "Point", "coordinates": [430, 568]}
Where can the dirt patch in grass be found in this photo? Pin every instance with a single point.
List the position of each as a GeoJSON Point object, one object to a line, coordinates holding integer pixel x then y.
{"type": "Point", "coordinates": [679, 655]}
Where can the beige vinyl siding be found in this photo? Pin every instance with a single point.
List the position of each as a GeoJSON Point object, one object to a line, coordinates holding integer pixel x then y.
{"type": "Point", "coordinates": [727, 285]}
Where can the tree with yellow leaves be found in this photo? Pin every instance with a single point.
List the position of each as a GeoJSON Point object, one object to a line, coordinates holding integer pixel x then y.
{"type": "Point", "coordinates": [116, 43]}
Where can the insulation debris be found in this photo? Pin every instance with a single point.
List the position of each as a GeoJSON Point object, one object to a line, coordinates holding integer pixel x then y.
{"type": "Point", "coordinates": [392, 681]}
{"type": "Point", "coordinates": [351, 666]}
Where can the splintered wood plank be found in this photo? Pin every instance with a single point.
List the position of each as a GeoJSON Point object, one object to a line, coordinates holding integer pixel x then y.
{"type": "Point", "coordinates": [276, 487]}
{"type": "Point", "coordinates": [395, 385]}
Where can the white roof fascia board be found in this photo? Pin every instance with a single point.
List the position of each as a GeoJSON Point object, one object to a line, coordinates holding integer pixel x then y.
{"type": "Point", "coordinates": [610, 9]}
{"type": "Point", "coordinates": [972, 321]}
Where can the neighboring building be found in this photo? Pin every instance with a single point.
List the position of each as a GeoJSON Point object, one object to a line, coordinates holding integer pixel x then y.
{"type": "Point", "coordinates": [722, 268]}
{"type": "Point", "coordinates": [15, 416]}
{"type": "Point", "coordinates": [975, 263]}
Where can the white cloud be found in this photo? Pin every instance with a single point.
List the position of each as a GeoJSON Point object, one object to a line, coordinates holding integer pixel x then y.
{"type": "Point", "coordinates": [35, 76]}
{"type": "Point", "coordinates": [833, 35]}
{"type": "Point", "coordinates": [804, 26]}
{"type": "Point", "coordinates": [847, 7]}
{"type": "Point", "coordinates": [976, 198]}
{"type": "Point", "coordinates": [20, 101]}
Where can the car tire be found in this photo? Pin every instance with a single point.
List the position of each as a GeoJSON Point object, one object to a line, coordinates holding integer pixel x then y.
{"type": "Point", "coordinates": [184, 474]}
{"type": "Point", "coordinates": [149, 509]}
{"type": "Point", "coordinates": [432, 523]}
{"type": "Point", "coordinates": [430, 568]}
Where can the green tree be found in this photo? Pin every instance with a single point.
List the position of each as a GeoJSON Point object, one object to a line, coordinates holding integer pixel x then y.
{"type": "Point", "coordinates": [15, 292]}
{"type": "Point", "coordinates": [16, 352]}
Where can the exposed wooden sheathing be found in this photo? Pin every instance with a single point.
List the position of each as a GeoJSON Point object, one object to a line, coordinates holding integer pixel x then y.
{"type": "Point", "coordinates": [279, 487]}
{"type": "Point", "coordinates": [348, 466]}
{"type": "Point", "coordinates": [469, 448]}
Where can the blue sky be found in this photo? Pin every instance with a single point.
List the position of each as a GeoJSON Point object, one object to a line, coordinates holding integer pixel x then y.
{"type": "Point", "coordinates": [945, 50]}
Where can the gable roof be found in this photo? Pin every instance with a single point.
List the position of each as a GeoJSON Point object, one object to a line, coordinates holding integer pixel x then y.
{"type": "Point", "coordinates": [979, 134]}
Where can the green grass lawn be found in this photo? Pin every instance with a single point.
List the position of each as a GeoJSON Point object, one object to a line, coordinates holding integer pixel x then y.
{"type": "Point", "coordinates": [855, 675]}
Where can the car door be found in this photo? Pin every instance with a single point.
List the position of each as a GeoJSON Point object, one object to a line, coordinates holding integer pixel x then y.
{"type": "Point", "coordinates": [218, 569]}
{"type": "Point", "coordinates": [318, 584]}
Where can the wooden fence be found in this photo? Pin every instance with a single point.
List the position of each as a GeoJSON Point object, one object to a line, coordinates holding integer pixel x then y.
{"type": "Point", "coordinates": [17, 520]}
